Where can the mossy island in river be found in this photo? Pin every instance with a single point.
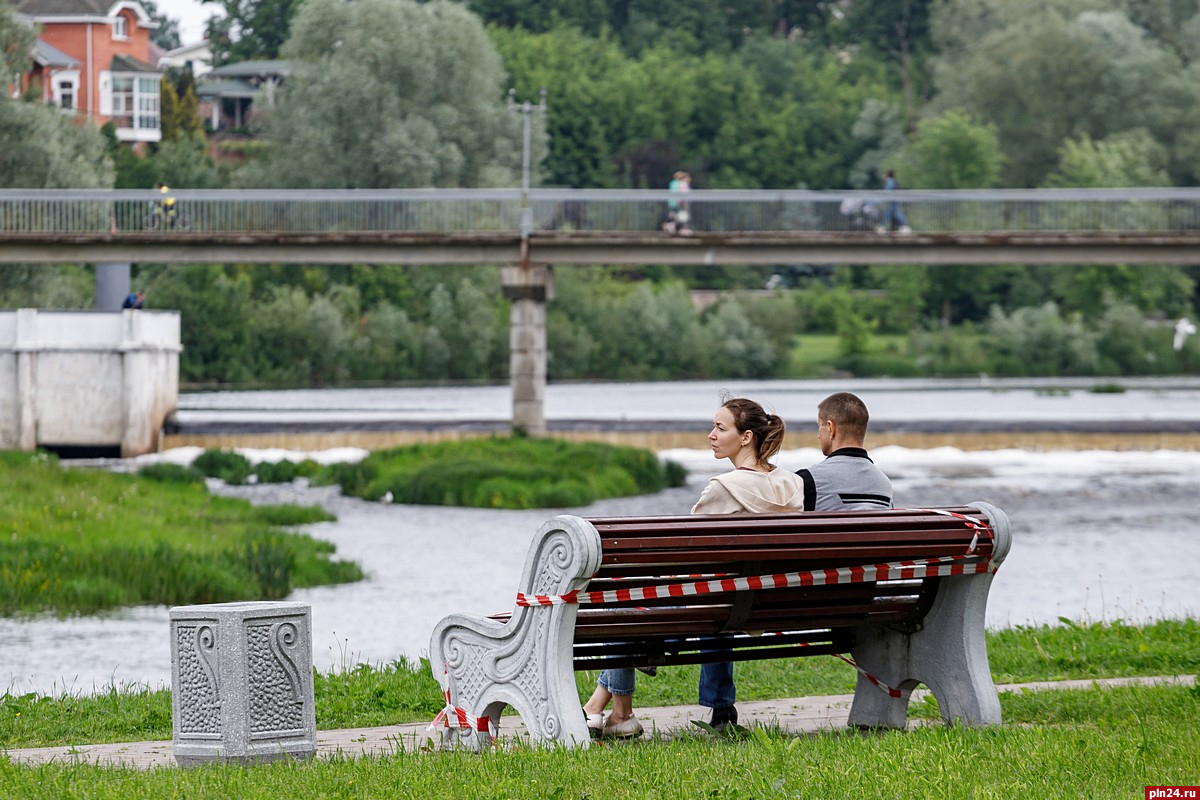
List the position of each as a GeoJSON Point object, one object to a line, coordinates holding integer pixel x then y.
{"type": "Point", "coordinates": [503, 472]}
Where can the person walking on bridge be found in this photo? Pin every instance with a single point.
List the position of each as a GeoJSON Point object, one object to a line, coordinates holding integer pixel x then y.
{"type": "Point", "coordinates": [895, 219]}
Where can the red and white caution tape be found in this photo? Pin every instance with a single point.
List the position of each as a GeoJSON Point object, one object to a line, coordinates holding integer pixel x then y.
{"type": "Point", "coordinates": [454, 717]}
{"type": "Point", "coordinates": [892, 571]}
{"type": "Point", "coordinates": [891, 691]}
{"type": "Point", "coordinates": [972, 523]}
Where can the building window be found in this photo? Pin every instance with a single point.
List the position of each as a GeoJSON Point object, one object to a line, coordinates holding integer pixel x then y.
{"type": "Point", "coordinates": [135, 102]}
{"type": "Point", "coordinates": [66, 94]}
{"type": "Point", "coordinates": [120, 27]}
{"type": "Point", "coordinates": [148, 94]}
{"type": "Point", "coordinates": [65, 90]}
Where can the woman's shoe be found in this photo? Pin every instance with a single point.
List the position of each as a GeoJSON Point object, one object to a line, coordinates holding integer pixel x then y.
{"type": "Point", "coordinates": [595, 723]}
{"type": "Point", "coordinates": [625, 729]}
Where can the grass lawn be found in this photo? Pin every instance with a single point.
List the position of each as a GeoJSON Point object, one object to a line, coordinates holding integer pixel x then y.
{"type": "Point", "coordinates": [1072, 744]}
{"type": "Point", "coordinates": [368, 696]}
{"type": "Point", "coordinates": [815, 355]}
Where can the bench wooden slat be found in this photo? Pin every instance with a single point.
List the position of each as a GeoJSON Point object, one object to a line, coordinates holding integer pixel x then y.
{"type": "Point", "coordinates": [951, 537]}
{"type": "Point", "coordinates": [694, 626]}
{"type": "Point", "coordinates": [744, 654]}
{"type": "Point", "coordinates": [843, 556]}
{"type": "Point", "coordinates": [734, 524]}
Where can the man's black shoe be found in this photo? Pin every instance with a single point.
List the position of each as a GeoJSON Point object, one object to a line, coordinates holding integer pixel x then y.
{"type": "Point", "coordinates": [723, 717]}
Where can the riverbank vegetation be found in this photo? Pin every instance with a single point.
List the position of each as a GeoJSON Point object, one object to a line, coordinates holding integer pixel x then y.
{"type": "Point", "coordinates": [403, 691]}
{"type": "Point", "coordinates": [505, 472]}
{"type": "Point", "coordinates": [82, 540]}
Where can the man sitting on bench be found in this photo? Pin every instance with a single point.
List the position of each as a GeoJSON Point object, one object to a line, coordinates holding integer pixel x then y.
{"type": "Point", "coordinates": [847, 480]}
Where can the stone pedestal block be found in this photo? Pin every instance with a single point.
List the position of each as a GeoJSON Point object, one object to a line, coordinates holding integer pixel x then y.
{"type": "Point", "coordinates": [242, 683]}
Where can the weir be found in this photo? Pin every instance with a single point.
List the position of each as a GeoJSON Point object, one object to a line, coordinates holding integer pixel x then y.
{"type": "Point", "coordinates": [80, 382]}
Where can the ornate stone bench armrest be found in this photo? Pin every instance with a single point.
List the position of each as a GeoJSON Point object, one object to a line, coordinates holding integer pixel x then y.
{"type": "Point", "coordinates": [947, 652]}
{"type": "Point", "coordinates": [484, 665]}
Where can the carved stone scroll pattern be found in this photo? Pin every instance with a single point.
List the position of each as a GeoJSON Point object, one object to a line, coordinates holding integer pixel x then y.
{"type": "Point", "coordinates": [275, 703]}
{"type": "Point", "coordinates": [199, 702]}
{"type": "Point", "coordinates": [470, 676]}
{"type": "Point", "coordinates": [554, 564]}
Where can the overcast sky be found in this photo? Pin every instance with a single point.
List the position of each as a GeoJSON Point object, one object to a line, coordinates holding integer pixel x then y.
{"type": "Point", "coordinates": [192, 16]}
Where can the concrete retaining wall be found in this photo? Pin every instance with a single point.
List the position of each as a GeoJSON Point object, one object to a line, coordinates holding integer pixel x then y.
{"type": "Point", "coordinates": [87, 379]}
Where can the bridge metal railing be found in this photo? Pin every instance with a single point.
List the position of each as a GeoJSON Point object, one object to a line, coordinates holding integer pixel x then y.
{"type": "Point", "coordinates": [483, 211]}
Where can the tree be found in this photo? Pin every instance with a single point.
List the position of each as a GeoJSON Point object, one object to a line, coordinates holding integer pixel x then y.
{"type": "Point", "coordinates": [185, 162]}
{"type": "Point", "coordinates": [1132, 158]}
{"type": "Point", "coordinates": [166, 35]}
{"type": "Point", "coordinates": [951, 151]}
{"type": "Point", "coordinates": [1054, 71]}
{"type": "Point", "coordinates": [42, 148]}
{"type": "Point", "coordinates": [179, 114]}
{"type": "Point", "coordinates": [168, 111]}
{"type": "Point", "coordinates": [879, 132]}
{"type": "Point", "coordinates": [898, 29]}
{"type": "Point", "coordinates": [16, 43]}
{"type": "Point", "coordinates": [389, 93]}
{"type": "Point", "coordinates": [250, 29]}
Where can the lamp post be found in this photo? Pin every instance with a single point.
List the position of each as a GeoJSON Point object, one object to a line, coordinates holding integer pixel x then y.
{"type": "Point", "coordinates": [527, 108]}
{"type": "Point", "coordinates": [527, 287]}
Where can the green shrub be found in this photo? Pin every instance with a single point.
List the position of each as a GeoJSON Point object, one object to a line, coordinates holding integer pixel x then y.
{"type": "Point", "coordinates": [278, 472]}
{"type": "Point", "coordinates": [563, 493]}
{"type": "Point", "coordinates": [231, 467]}
{"type": "Point", "coordinates": [171, 473]}
{"type": "Point", "coordinates": [502, 493]}
{"type": "Point", "coordinates": [675, 473]}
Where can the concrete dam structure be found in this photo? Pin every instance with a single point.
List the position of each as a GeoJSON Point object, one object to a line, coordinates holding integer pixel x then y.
{"type": "Point", "coordinates": [89, 382]}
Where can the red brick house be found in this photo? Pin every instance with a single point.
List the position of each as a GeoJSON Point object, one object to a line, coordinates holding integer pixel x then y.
{"type": "Point", "coordinates": [93, 56]}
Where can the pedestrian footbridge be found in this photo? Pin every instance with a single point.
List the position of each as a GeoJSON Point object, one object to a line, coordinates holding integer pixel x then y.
{"type": "Point", "coordinates": [581, 227]}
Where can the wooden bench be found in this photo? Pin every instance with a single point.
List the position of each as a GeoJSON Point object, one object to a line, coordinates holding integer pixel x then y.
{"type": "Point", "coordinates": [660, 591]}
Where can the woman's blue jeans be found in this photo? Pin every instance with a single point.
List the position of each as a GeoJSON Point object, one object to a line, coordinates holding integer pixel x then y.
{"type": "Point", "coordinates": [617, 681]}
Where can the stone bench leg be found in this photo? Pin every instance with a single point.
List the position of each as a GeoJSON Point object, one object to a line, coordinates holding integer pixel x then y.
{"type": "Point", "coordinates": [241, 682]}
{"type": "Point", "coordinates": [948, 654]}
{"type": "Point", "coordinates": [483, 665]}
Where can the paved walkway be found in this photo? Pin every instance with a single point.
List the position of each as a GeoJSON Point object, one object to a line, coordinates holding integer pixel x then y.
{"type": "Point", "coordinates": [800, 715]}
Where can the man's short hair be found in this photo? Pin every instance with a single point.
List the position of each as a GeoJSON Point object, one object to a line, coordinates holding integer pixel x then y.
{"type": "Point", "coordinates": [848, 411]}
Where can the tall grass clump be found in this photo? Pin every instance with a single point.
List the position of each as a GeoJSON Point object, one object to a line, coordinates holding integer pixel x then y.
{"type": "Point", "coordinates": [77, 540]}
{"type": "Point", "coordinates": [499, 472]}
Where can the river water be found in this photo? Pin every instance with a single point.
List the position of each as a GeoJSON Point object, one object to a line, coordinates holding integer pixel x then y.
{"type": "Point", "coordinates": [1098, 535]}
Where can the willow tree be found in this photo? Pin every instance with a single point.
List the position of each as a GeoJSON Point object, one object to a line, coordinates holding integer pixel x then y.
{"type": "Point", "coordinates": [389, 93]}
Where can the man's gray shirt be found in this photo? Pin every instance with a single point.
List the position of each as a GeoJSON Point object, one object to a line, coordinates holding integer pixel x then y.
{"type": "Point", "coordinates": [847, 480]}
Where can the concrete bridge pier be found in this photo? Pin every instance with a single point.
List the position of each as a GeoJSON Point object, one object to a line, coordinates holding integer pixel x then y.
{"type": "Point", "coordinates": [112, 284]}
{"type": "Point", "coordinates": [528, 288]}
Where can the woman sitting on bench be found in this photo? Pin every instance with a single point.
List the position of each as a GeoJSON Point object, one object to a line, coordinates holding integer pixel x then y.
{"type": "Point", "coordinates": [748, 436]}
